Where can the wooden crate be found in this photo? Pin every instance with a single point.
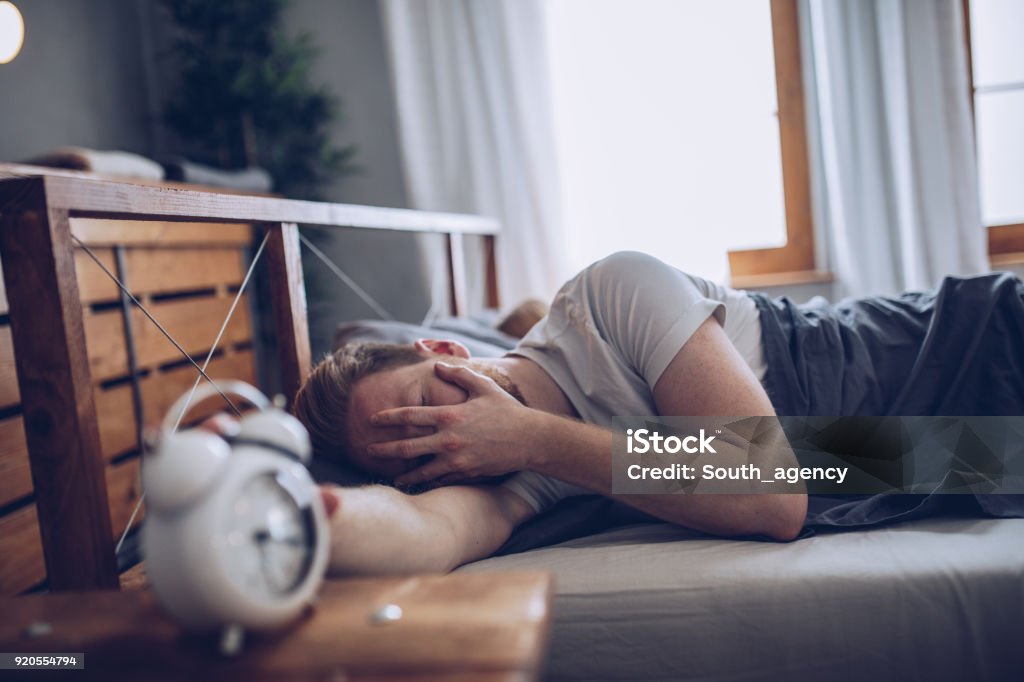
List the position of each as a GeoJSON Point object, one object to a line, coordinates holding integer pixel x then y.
{"type": "Point", "coordinates": [187, 275]}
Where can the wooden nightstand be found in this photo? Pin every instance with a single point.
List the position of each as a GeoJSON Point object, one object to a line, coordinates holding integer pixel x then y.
{"type": "Point", "coordinates": [472, 626]}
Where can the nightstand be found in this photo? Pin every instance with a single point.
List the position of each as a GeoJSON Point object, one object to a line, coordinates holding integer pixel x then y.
{"type": "Point", "coordinates": [472, 626]}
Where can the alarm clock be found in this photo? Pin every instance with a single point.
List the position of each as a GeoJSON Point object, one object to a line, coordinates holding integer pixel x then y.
{"type": "Point", "coordinates": [236, 534]}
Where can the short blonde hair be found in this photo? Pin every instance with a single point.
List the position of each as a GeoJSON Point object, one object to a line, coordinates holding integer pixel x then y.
{"type": "Point", "coordinates": [322, 402]}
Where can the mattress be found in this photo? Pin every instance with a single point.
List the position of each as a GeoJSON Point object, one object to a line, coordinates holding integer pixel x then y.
{"type": "Point", "coordinates": [934, 599]}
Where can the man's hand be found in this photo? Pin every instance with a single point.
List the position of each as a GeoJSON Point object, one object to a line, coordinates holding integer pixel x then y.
{"type": "Point", "coordinates": [482, 436]}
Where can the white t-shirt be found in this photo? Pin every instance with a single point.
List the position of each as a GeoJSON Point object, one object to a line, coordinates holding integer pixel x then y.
{"type": "Point", "coordinates": [611, 332]}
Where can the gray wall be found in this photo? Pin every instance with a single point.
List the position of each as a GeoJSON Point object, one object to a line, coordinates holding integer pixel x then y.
{"type": "Point", "coordinates": [391, 267]}
{"type": "Point", "coordinates": [353, 64]}
{"type": "Point", "coordinates": [78, 80]}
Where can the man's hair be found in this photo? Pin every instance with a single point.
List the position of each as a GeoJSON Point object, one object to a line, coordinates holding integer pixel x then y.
{"type": "Point", "coordinates": [322, 403]}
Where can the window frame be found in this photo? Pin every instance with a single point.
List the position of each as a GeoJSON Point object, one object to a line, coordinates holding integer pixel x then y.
{"type": "Point", "coordinates": [1005, 241]}
{"type": "Point", "coordinates": [794, 262]}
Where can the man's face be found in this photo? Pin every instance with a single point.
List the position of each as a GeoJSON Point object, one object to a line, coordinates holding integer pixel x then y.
{"type": "Point", "coordinates": [412, 385]}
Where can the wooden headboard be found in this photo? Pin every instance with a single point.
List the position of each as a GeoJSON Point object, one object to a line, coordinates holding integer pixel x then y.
{"type": "Point", "coordinates": [189, 301]}
{"type": "Point", "coordinates": [68, 400]}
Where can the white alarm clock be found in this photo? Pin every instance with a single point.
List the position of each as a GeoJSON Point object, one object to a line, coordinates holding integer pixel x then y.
{"type": "Point", "coordinates": [236, 534]}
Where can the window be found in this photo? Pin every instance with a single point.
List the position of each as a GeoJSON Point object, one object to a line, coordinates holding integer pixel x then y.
{"type": "Point", "coordinates": [996, 62]}
{"type": "Point", "coordinates": [680, 131]}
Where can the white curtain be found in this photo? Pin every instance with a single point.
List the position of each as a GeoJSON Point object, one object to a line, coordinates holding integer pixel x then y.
{"type": "Point", "coordinates": [475, 122]}
{"type": "Point", "coordinates": [892, 142]}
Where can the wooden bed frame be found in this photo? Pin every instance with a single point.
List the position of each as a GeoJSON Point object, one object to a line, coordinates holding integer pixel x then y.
{"type": "Point", "coordinates": [44, 305]}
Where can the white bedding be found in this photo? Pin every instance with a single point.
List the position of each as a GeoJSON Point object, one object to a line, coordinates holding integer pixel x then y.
{"type": "Point", "coordinates": [933, 600]}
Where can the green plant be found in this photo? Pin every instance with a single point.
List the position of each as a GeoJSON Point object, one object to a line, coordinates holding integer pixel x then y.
{"type": "Point", "coordinates": [244, 96]}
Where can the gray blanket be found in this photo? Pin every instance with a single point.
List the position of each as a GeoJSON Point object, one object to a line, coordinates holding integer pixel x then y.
{"type": "Point", "coordinates": [956, 351]}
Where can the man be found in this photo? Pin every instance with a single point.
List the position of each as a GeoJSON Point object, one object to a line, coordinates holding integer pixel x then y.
{"type": "Point", "coordinates": [627, 336]}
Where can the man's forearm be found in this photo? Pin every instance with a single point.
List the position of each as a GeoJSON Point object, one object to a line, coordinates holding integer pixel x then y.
{"type": "Point", "coordinates": [379, 530]}
{"type": "Point", "coordinates": [581, 454]}
{"type": "Point", "coordinates": [571, 451]}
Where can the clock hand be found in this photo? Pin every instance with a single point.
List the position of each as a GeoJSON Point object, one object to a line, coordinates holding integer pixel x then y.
{"type": "Point", "coordinates": [263, 536]}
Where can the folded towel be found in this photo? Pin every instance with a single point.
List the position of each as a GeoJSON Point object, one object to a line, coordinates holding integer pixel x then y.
{"type": "Point", "coordinates": [245, 180]}
{"type": "Point", "coordinates": [112, 163]}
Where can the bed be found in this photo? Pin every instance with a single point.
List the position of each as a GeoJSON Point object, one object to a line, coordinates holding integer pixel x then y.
{"type": "Point", "coordinates": [933, 599]}
{"type": "Point", "coordinates": [938, 599]}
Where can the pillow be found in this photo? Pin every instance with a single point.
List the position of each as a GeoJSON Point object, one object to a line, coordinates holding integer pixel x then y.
{"type": "Point", "coordinates": [481, 340]}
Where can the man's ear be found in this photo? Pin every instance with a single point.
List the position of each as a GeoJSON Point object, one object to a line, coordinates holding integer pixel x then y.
{"type": "Point", "coordinates": [442, 347]}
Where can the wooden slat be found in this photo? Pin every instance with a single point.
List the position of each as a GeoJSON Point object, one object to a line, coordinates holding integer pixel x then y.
{"type": "Point", "coordinates": [456, 275]}
{"type": "Point", "coordinates": [159, 271]}
{"type": "Point", "coordinates": [117, 412]}
{"type": "Point", "coordinates": [94, 284]}
{"type": "Point", "coordinates": [3, 293]}
{"type": "Point", "coordinates": [169, 270]}
{"type": "Point", "coordinates": [193, 322]}
{"type": "Point", "coordinates": [97, 232]}
{"type": "Point", "coordinates": [123, 489]}
{"type": "Point", "coordinates": [56, 388]}
{"type": "Point", "coordinates": [492, 297]}
{"type": "Point", "coordinates": [9, 393]}
{"type": "Point", "coordinates": [160, 392]}
{"type": "Point", "coordinates": [288, 303]}
{"type": "Point", "coordinates": [84, 198]}
{"type": "Point", "coordinates": [20, 170]}
{"type": "Point", "coordinates": [15, 474]}
{"type": "Point", "coordinates": [21, 551]}
{"type": "Point", "coordinates": [104, 342]}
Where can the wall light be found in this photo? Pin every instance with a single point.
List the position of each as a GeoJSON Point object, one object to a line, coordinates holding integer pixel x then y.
{"type": "Point", "coordinates": [12, 31]}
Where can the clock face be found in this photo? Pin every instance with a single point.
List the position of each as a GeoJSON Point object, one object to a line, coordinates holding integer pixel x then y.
{"type": "Point", "coordinates": [270, 535]}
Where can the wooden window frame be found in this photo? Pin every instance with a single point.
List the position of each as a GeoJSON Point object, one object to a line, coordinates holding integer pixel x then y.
{"type": "Point", "coordinates": [1005, 241]}
{"type": "Point", "coordinates": [794, 262]}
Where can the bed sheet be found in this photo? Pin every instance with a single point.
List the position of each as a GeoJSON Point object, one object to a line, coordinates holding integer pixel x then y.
{"type": "Point", "coordinates": [938, 599]}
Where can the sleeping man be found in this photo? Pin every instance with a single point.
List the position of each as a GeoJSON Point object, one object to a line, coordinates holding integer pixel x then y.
{"type": "Point", "coordinates": [500, 440]}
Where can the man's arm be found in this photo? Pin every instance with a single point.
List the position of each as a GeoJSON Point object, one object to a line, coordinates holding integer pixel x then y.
{"type": "Point", "coordinates": [707, 377]}
{"type": "Point", "coordinates": [491, 434]}
{"type": "Point", "coordinates": [379, 530]}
